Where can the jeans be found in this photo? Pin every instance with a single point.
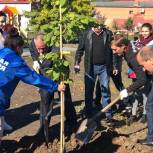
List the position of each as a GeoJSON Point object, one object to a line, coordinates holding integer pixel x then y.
{"type": "Point", "coordinates": [149, 111]}
{"type": "Point", "coordinates": [101, 72]}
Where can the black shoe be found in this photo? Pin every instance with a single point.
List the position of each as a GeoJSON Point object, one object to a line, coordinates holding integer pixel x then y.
{"type": "Point", "coordinates": [143, 119]}
{"type": "Point", "coordinates": [145, 142]}
{"type": "Point", "coordinates": [131, 120]}
{"type": "Point", "coordinates": [111, 121]}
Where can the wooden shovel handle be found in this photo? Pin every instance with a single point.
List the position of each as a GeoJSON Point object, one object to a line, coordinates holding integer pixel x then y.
{"type": "Point", "coordinates": [105, 108]}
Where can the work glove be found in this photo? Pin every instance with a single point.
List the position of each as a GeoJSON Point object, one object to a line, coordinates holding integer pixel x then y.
{"type": "Point", "coordinates": [123, 94]}
{"type": "Point", "coordinates": [77, 68]}
{"type": "Point", "coordinates": [36, 66]}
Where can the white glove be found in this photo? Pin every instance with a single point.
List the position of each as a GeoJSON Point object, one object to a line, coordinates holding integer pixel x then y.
{"type": "Point", "coordinates": [36, 66]}
{"type": "Point", "coordinates": [123, 94]}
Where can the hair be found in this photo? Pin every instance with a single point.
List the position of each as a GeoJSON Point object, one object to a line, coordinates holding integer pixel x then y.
{"type": "Point", "coordinates": [147, 25]}
{"type": "Point", "coordinates": [40, 33]}
{"type": "Point", "coordinates": [13, 39]}
{"type": "Point", "coordinates": [2, 14]}
{"type": "Point", "coordinates": [146, 53]}
{"type": "Point", "coordinates": [119, 40]}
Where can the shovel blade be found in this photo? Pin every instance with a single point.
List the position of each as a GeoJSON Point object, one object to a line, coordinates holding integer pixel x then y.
{"type": "Point", "coordinates": [85, 131]}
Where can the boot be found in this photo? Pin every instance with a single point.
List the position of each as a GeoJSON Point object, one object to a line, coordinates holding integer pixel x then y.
{"type": "Point", "coordinates": [131, 120]}
{"type": "Point", "coordinates": [7, 127]}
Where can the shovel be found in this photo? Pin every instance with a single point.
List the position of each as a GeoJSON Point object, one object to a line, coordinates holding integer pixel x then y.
{"type": "Point", "coordinates": [88, 126]}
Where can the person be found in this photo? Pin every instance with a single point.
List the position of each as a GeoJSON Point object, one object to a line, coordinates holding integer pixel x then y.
{"type": "Point", "coordinates": [2, 22]}
{"type": "Point", "coordinates": [122, 47]}
{"type": "Point", "coordinates": [145, 38]}
{"type": "Point", "coordinates": [95, 44]}
{"type": "Point", "coordinates": [3, 34]}
{"type": "Point", "coordinates": [145, 59]}
{"type": "Point", "coordinates": [38, 47]}
{"type": "Point", "coordinates": [13, 69]}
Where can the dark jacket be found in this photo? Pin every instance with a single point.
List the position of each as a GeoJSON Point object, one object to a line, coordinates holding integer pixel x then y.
{"type": "Point", "coordinates": [35, 56]}
{"type": "Point", "coordinates": [33, 50]}
{"type": "Point", "coordinates": [85, 45]}
{"type": "Point", "coordinates": [130, 57]}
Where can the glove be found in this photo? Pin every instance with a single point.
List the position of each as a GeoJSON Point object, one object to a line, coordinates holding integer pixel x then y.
{"type": "Point", "coordinates": [36, 66]}
{"type": "Point", "coordinates": [77, 68]}
{"type": "Point", "coordinates": [123, 94]}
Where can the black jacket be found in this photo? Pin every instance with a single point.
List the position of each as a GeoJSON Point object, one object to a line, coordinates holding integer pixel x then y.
{"type": "Point", "coordinates": [130, 57]}
{"type": "Point", "coordinates": [85, 47]}
{"type": "Point", "coordinates": [35, 56]}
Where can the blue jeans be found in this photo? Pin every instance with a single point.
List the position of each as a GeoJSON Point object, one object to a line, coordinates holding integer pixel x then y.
{"type": "Point", "coordinates": [101, 72]}
{"type": "Point", "coordinates": [149, 111]}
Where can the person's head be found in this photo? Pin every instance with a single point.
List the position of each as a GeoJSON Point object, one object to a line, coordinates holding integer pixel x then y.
{"type": "Point", "coordinates": [39, 42]}
{"type": "Point", "coordinates": [119, 45]}
{"type": "Point", "coordinates": [145, 58]}
{"type": "Point", "coordinates": [146, 30]}
{"type": "Point", "coordinates": [98, 27]}
{"type": "Point", "coordinates": [2, 19]}
{"type": "Point", "coordinates": [14, 41]}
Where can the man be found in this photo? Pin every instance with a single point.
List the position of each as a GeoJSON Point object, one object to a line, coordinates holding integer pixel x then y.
{"type": "Point", "coordinates": [38, 47]}
{"type": "Point", "coordinates": [95, 44]}
{"type": "Point", "coordinates": [122, 47]}
{"type": "Point", "coordinates": [145, 59]}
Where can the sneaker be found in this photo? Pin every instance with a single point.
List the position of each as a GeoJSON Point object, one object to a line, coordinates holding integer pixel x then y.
{"type": "Point", "coordinates": [131, 120]}
{"type": "Point", "coordinates": [143, 119]}
{"type": "Point", "coordinates": [146, 142]}
{"type": "Point", "coordinates": [7, 127]}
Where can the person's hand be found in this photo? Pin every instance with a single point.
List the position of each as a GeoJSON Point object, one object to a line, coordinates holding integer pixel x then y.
{"type": "Point", "coordinates": [123, 94]}
{"type": "Point", "coordinates": [115, 72]}
{"type": "Point", "coordinates": [36, 66]}
{"type": "Point", "coordinates": [61, 87]}
{"type": "Point", "coordinates": [77, 68]}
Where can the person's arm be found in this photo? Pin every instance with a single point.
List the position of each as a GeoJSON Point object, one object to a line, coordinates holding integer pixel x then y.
{"type": "Point", "coordinates": [80, 50]}
{"type": "Point", "coordinates": [33, 51]}
{"type": "Point", "coordinates": [79, 54]}
{"type": "Point", "coordinates": [28, 76]}
{"type": "Point", "coordinates": [140, 77]}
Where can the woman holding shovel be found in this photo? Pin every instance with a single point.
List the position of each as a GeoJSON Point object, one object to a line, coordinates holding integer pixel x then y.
{"type": "Point", "coordinates": [122, 47]}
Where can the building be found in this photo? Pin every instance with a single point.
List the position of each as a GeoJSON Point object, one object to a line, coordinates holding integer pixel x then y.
{"type": "Point", "coordinates": [15, 10]}
{"type": "Point", "coordinates": [118, 11]}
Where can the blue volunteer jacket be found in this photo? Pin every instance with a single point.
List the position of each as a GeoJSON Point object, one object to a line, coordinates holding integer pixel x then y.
{"type": "Point", "coordinates": [13, 69]}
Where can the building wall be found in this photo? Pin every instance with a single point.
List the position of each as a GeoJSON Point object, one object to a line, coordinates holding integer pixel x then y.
{"type": "Point", "coordinates": [123, 13]}
{"type": "Point", "coordinates": [21, 8]}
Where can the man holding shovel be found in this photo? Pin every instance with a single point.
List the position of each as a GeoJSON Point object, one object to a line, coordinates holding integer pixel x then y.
{"type": "Point", "coordinates": [95, 44]}
{"type": "Point", "coordinates": [38, 47]}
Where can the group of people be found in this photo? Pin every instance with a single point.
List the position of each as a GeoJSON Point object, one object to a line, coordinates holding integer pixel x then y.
{"type": "Point", "coordinates": [103, 54]}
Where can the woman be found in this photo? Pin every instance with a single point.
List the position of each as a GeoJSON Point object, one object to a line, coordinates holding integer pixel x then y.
{"type": "Point", "coordinates": [13, 69]}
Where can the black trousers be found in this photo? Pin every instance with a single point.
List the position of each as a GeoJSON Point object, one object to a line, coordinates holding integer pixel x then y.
{"type": "Point", "coordinates": [46, 105]}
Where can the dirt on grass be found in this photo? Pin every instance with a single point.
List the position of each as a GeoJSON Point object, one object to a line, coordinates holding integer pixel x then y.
{"type": "Point", "coordinates": [23, 115]}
